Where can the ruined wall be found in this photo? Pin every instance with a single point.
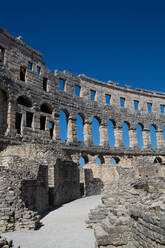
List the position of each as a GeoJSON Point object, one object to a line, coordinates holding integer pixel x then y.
{"type": "Point", "coordinates": [24, 194]}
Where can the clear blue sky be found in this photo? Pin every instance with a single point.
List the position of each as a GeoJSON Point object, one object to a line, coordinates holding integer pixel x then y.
{"type": "Point", "coordinates": [119, 40]}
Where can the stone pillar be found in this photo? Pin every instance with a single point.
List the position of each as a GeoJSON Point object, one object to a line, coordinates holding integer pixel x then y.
{"type": "Point", "coordinates": [11, 118]}
{"type": "Point", "coordinates": [103, 135]}
{"type": "Point", "coordinates": [72, 130]}
{"type": "Point", "coordinates": [107, 159]}
{"type": "Point", "coordinates": [132, 138]}
{"type": "Point", "coordinates": [56, 132]}
{"type": "Point", "coordinates": [23, 122]}
{"type": "Point", "coordinates": [118, 136]}
{"type": "Point", "coordinates": [146, 138]}
{"type": "Point", "coordinates": [88, 133]}
{"type": "Point", "coordinates": [36, 121]}
{"type": "Point", "coordinates": [160, 139]}
{"type": "Point", "coordinates": [47, 124]}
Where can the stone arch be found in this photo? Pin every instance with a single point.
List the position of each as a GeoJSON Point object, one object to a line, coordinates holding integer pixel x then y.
{"type": "Point", "coordinates": [96, 130]}
{"type": "Point", "coordinates": [153, 137]}
{"type": "Point", "coordinates": [80, 120]}
{"type": "Point", "coordinates": [125, 133]}
{"type": "Point", "coordinates": [83, 160]}
{"type": "Point", "coordinates": [157, 160]}
{"type": "Point", "coordinates": [100, 159]}
{"type": "Point", "coordinates": [46, 108]}
{"type": "Point", "coordinates": [114, 160]}
{"type": "Point", "coordinates": [139, 134]}
{"type": "Point", "coordinates": [63, 123]}
{"type": "Point", "coordinates": [111, 125]}
{"type": "Point", "coordinates": [25, 101]}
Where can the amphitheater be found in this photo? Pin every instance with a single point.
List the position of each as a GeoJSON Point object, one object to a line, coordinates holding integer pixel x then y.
{"type": "Point", "coordinates": [40, 171]}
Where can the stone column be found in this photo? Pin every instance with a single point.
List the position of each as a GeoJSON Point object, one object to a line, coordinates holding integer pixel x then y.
{"type": "Point", "coordinates": [146, 138]}
{"type": "Point", "coordinates": [56, 132]}
{"type": "Point", "coordinates": [47, 124]}
{"type": "Point", "coordinates": [132, 138]}
{"type": "Point", "coordinates": [118, 136]}
{"type": "Point", "coordinates": [88, 133]}
{"type": "Point", "coordinates": [72, 130]}
{"type": "Point", "coordinates": [103, 134]}
{"type": "Point", "coordinates": [23, 121]}
{"type": "Point", "coordinates": [107, 159]}
{"type": "Point", "coordinates": [160, 139]}
{"type": "Point", "coordinates": [11, 118]}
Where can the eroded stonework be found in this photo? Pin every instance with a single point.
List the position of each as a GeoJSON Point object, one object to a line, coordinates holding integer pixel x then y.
{"type": "Point", "coordinates": [38, 170]}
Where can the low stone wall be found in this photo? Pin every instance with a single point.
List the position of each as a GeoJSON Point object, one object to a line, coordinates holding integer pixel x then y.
{"type": "Point", "coordinates": [66, 183]}
{"type": "Point", "coordinates": [131, 214]}
{"type": "Point", "coordinates": [23, 194]}
{"type": "Point", "coordinates": [89, 184]}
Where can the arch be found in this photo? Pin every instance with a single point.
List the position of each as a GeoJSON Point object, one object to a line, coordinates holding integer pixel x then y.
{"type": "Point", "coordinates": [139, 134]}
{"type": "Point", "coordinates": [63, 123]}
{"type": "Point", "coordinates": [157, 160]}
{"type": "Point", "coordinates": [80, 127]}
{"type": "Point", "coordinates": [96, 130]}
{"type": "Point", "coordinates": [111, 137]}
{"type": "Point", "coordinates": [25, 101]}
{"type": "Point", "coordinates": [83, 160]}
{"type": "Point", "coordinates": [114, 160]}
{"type": "Point", "coordinates": [100, 160]}
{"type": "Point", "coordinates": [125, 133]}
{"type": "Point", "coordinates": [46, 108]}
{"type": "Point", "coordinates": [153, 137]}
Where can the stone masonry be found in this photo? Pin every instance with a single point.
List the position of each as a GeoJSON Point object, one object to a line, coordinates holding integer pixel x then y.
{"type": "Point", "coordinates": [38, 170]}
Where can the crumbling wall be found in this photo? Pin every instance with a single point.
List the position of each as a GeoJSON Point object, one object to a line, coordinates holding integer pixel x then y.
{"type": "Point", "coordinates": [24, 194]}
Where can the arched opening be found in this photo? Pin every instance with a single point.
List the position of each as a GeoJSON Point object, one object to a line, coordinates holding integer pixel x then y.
{"type": "Point", "coordinates": [80, 127]}
{"type": "Point", "coordinates": [25, 101]}
{"type": "Point", "coordinates": [100, 160]}
{"type": "Point", "coordinates": [153, 136]}
{"type": "Point", "coordinates": [96, 130]}
{"type": "Point", "coordinates": [125, 133]}
{"type": "Point", "coordinates": [45, 108]}
{"type": "Point", "coordinates": [3, 112]}
{"type": "Point", "coordinates": [157, 160]}
{"type": "Point", "coordinates": [139, 134]}
{"type": "Point", "coordinates": [63, 123]}
{"type": "Point", "coordinates": [111, 136]}
{"type": "Point", "coordinates": [83, 160]}
{"type": "Point", "coordinates": [114, 160]}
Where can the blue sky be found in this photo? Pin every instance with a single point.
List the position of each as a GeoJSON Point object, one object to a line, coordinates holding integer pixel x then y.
{"type": "Point", "coordinates": [117, 40]}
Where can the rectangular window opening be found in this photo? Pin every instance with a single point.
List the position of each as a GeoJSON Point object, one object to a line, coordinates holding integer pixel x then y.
{"type": "Point", "coordinates": [61, 84]}
{"type": "Point", "coordinates": [149, 107]}
{"type": "Point", "coordinates": [30, 66]}
{"type": "Point", "coordinates": [42, 122]}
{"type": "Point", "coordinates": [45, 84]}
{"type": "Point", "coordinates": [29, 119]}
{"type": "Point", "coordinates": [162, 109]}
{"type": "Point", "coordinates": [51, 128]}
{"type": "Point", "coordinates": [93, 94]}
{"type": "Point", "coordinates": [22, 73]}
{"type": "Point", "coordinates": [77, 90]}
{"type": "Point", "coordinates": [107, 99]}
{"type": "Point", "coordinates": [38, 69]}
{"type": "Point", "coordinates": [18, 122]}
{"type": "Point", "coordinates": [2, 51]}
{"type": "Point", "coordinates": [136, 105]}
{"type": "Point", "coordinates": [122, 102]}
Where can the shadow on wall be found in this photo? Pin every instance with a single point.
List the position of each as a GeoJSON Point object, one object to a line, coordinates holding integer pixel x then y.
{"type": "Point", "coordinates": [89, 185]}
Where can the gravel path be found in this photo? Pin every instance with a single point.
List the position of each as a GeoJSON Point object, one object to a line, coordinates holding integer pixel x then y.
{"type": "Point", "coordinates": [62, 228]}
